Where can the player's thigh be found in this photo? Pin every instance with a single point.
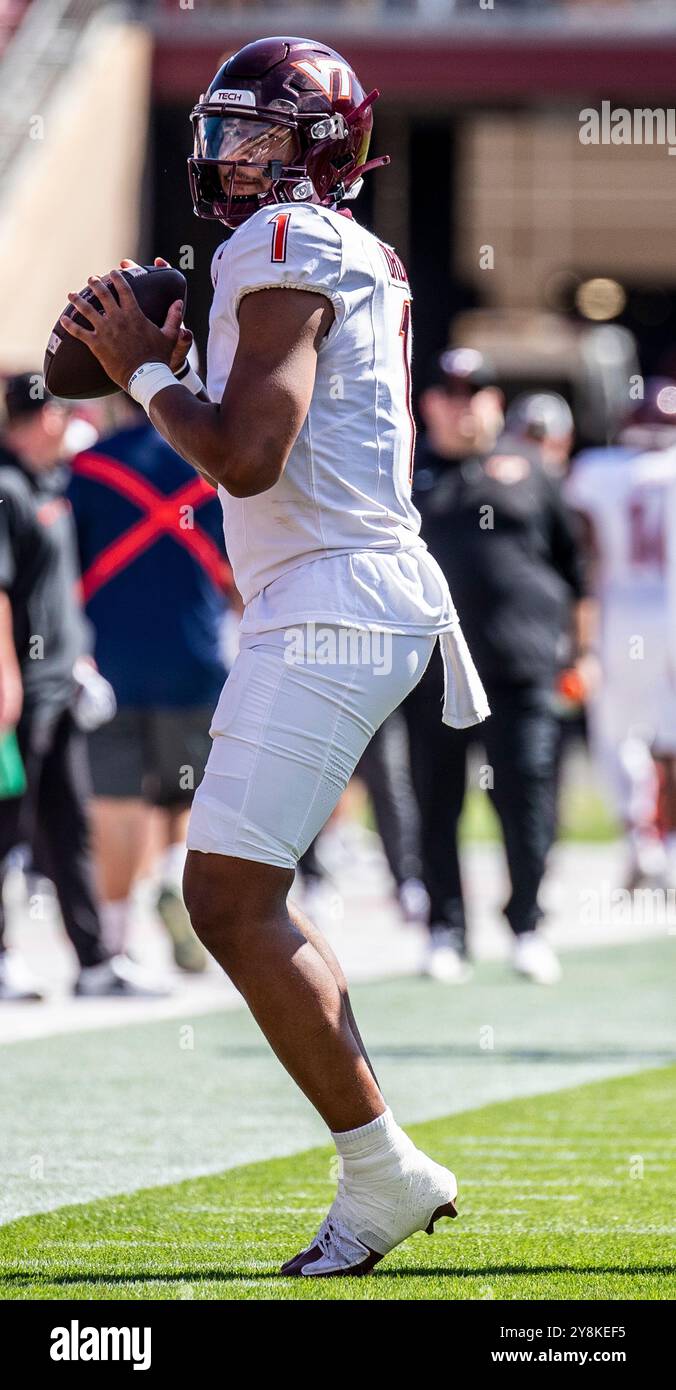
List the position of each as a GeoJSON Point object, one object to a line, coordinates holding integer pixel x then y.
{"type": "Point", "coordinates": [288, 733]}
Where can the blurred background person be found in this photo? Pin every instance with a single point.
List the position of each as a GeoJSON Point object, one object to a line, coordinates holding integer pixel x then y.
{"type": "Point", "coordinates": [384, 769]}
{"type": "Point", "coordinates": [623, 495]}
{"type": "Point", "coordinates": [154, 582]}
{"type": "Point", "coordinates": [542, 421]}
{"type": "Point", "coordinates": [43, 635]}
{"type": "Point", "coordinates": [497, 525]}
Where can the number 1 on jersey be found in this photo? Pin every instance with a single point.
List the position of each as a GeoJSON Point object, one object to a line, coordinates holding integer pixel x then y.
{"type": "Point", "coordinates": [280, 231]}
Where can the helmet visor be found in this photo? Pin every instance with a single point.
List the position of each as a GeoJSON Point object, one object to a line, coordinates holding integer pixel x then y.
{"type": "Point", "coordinates": [253, 143]}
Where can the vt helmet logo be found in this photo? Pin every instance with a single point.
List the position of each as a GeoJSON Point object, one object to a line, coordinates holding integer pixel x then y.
{"type": "Point", "coordinates": [334, 78]}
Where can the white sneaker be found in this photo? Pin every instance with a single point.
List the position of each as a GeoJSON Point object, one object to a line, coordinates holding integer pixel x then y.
{"type": "Point", "coordinates": [533, 957]}
{"type": "Point", "coordinates": [119, 977]}
{"type": "Point", "coordinates": [367, 1221]}
{"type": "Point", "coordinates": [444, 963]}
{"type": "Point", "coordinates": [16, 982]}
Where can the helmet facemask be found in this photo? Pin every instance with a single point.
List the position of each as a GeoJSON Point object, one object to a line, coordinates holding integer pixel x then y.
{"type": "Point", "coordinates": [242, 163]}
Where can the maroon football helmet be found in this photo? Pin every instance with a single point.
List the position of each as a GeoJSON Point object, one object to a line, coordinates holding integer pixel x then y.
{"type": "Point", "coordinates": [284, 120]}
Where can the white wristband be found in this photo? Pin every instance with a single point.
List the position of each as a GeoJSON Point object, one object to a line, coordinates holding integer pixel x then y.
{"type": "Point", "coordinates": [187, 376]}
{"type": "Point", "coordinates": [147, 380]}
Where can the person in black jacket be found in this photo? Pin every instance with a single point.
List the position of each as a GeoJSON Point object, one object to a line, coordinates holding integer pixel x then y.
{"type": "Point", "coordinates": [497, 525]}
{"type": "Point", "coordinates": [42, 633]}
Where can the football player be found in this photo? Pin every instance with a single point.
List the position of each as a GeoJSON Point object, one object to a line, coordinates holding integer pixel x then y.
{"type": "Point", "coordinates": [306, 430]}
{"type": "Point", "coordinates": [622, 493]}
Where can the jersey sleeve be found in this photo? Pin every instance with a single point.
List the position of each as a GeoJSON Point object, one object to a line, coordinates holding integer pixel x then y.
{"type": "Point", "coordinates": [287, 247]}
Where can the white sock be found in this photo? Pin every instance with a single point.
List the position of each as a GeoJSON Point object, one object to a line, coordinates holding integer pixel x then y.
{"type": "Point", "coordinates": [171, 866]}
{"type": "Point", "coordinates": [115, 921]}
{"type": "Point", "coordinates": [376, 1146]}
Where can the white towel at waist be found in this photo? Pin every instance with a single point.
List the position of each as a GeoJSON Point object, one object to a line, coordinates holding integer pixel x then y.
{"type": "Point", "coordinates": [465, 700]}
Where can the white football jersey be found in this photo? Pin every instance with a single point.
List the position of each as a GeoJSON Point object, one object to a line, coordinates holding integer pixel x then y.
{"type": "Point", "coordinates": [337, 537]}
{"type": "Point", "coordinates": [625, 494]}
{"type": "Point", "coordinates": [346, 487]}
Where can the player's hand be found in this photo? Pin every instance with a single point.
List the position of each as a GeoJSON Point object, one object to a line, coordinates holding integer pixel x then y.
{"type": "Point", "coordinates": [183, 346]}
{"type": "Point", "coordinates": [120, 336]}
{"type": "Point", "coordinates": [184, 343]}
{"type": "Point", "coordinates": [11, 695]}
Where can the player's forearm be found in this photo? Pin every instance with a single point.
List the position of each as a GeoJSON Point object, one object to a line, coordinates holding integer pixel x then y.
{"type": "Point", "coordinates": [190, 425]}
{"type": "Point", "coordinates": [240, 444]}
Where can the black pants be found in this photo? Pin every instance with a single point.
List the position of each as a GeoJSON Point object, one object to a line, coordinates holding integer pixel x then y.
{"type": "Point", "coordinates": [521, 740]}
{"type": "Point", "coordinates": [52, 818]}
{"type": "Point", "coordinates": [384, 770]}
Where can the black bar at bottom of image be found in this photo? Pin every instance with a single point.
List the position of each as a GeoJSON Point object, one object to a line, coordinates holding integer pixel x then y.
{"type": "Point", "coordinates": [175, 1337]}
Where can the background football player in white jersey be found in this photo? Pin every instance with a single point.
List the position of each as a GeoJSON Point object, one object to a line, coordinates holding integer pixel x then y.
{"type": "Point", "coordinates": [307, 433]}
{"type": "Point", "coordinates": [623, 494]}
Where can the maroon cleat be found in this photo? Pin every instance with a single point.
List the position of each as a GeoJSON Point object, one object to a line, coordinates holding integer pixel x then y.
{"type": "Point", "coordinates": [335, 1248]}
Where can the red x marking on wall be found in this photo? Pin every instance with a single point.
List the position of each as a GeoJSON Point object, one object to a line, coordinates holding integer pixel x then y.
{"type": "Point", "coordinates": [162, 516]}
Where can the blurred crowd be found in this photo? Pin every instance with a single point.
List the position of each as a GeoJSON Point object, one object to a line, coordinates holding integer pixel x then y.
{"type": "Point", "coordinates": [114, 586]}
{"type": "Point", "coordinates": [118, 621]}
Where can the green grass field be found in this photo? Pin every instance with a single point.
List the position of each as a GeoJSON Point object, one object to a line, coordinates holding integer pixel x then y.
{"type": "Point", "coordinates": [565, 1195]}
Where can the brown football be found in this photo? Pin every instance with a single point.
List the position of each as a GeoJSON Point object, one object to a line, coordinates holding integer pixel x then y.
{"type": "Point", "coordinates": [71, 369]}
